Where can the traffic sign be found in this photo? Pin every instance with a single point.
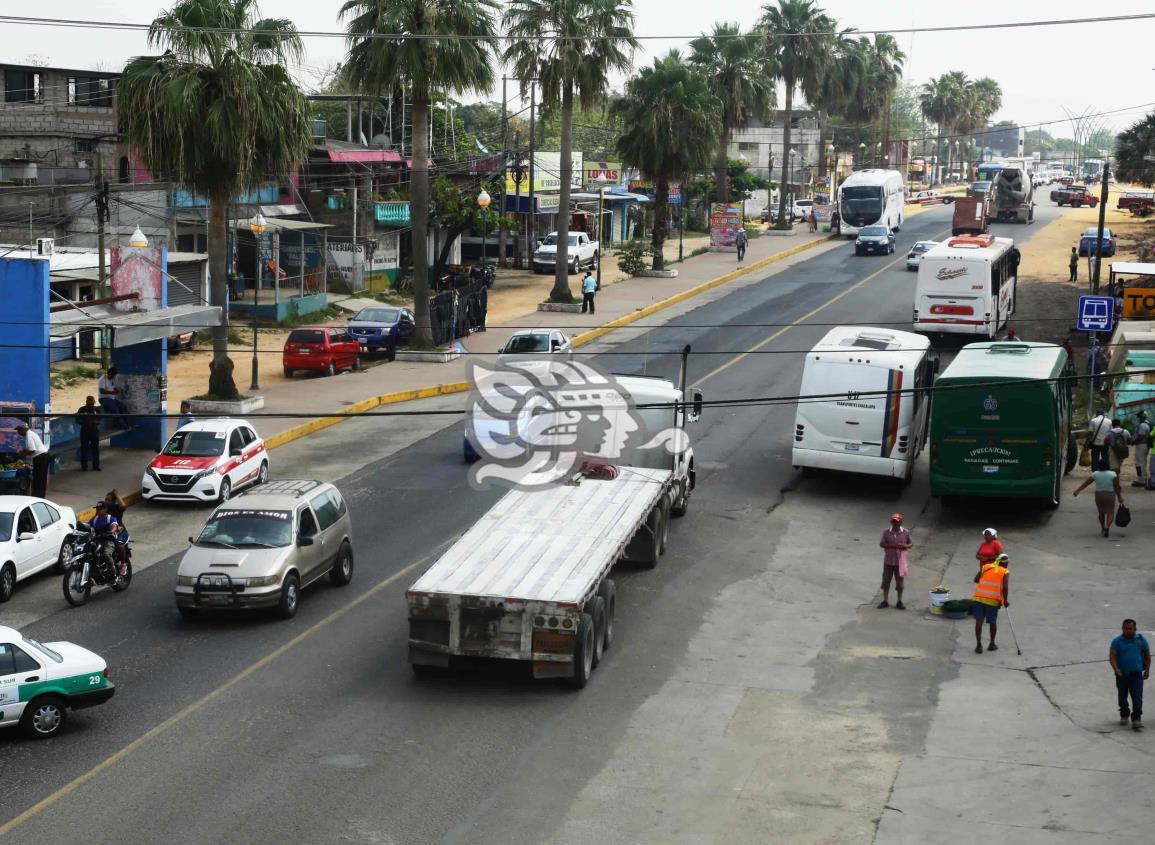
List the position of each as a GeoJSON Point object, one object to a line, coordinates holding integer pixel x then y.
{"type": "Point", "coordinates": [1096, 314]}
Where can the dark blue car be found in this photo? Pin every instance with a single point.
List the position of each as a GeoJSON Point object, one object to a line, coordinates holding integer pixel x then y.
{"type": "Point", "coordinates": [1090, 236]}
{"type": "Point", "coordinates": [382, 328]}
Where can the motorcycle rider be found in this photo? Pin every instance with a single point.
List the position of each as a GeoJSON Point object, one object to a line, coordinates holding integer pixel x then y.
{"type": "Point", "coordinates": [105, 523]}
{"type": "Point", "coordinates": [116, 509]}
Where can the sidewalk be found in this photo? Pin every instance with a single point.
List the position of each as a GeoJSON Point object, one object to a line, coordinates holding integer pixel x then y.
{"type": "Point", "coordinates": [619, 303]}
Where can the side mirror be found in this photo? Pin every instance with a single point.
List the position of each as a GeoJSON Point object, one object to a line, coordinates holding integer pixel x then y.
{"type": "Point", "coordinates": [25, 535]}
{"type": "Point", "coordinates": [304, 541]}
{"type": "Point", "coordinates": [696, 411]}
{"type": "Point", "coordinates": [191, 540]}
{"type": "Point", "coordinates": [235, 453]}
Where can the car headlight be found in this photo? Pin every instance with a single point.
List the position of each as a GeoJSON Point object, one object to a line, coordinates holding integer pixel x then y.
{"type": "Point", "coordinates": [186, 581]}
{"type": "Point", "coordinates": [263, 581]}
{"type": "Point", "coordinates": [204, 473]}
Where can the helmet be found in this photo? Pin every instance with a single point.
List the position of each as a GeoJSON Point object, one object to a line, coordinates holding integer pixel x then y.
{"type": "Point", "coordinates": [1003, 560]}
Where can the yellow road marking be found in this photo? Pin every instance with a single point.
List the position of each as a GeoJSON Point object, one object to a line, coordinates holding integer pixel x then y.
{"type": "Point", "coordinates": [174, 720]}
{"type": "Point", "coordinates": [802, 319]}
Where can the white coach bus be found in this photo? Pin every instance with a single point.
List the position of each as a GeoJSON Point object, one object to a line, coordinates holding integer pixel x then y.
{"type": "Point", "coordinates": [872, 417]}
{"type": "Point", "coordinates": [872, 198]}
{"type": "Point", "coordinates": [966, 286]}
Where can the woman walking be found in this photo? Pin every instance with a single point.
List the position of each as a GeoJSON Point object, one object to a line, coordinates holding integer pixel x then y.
{"type": "Point", "coordinates": [990, 548]}
{"type": "Point", "coordinates": [1108, 493]}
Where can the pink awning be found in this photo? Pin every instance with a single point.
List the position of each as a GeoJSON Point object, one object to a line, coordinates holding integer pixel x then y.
{"type": "Point", "coordinates": [409, 163]}
{"type": "Point", "coordinates": [365, 156]}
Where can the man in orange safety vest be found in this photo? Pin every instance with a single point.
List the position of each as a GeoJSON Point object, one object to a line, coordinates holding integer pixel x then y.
{"type": "Point", "coordinates": [992, 591]}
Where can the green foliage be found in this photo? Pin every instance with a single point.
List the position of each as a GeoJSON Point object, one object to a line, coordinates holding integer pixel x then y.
{"type": "Point", "coordinates": [632, 256]}
{"type": "Point", "coordinates": [742, 181]}
{"type": "Point", "coordinates": [321, 315]}
{"type": "Point", "coordinates": [1134, 145]}
{"type": "Point", "coordinates": [753, 230]}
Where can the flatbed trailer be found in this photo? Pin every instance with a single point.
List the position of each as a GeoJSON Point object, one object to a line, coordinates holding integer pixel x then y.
{"type": "Point", "coordinates": [530, 580]}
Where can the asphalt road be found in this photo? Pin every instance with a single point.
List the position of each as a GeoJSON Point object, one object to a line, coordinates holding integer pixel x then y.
{"type": "Point", "coordinates": [241, 728]}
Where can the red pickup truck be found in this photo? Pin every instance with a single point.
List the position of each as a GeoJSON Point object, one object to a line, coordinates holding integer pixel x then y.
{"type": "Point", "coordinates": [1141, 203]}
{"type": "Point", "coordinates": [1074, 196]}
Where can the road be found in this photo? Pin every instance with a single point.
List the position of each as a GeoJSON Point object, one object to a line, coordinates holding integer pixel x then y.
{"type": "Point", "coordinates": [240, 728]}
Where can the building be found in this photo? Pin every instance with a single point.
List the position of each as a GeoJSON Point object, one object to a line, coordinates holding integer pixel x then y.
{"type": "Point", "coordinates": [760, 145]}
{"type": "Point", "coordinates": [1000, 142]}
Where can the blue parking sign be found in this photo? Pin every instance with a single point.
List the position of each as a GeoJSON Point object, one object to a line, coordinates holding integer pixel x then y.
{"type": "Point", "coordinates": [1096, 314]}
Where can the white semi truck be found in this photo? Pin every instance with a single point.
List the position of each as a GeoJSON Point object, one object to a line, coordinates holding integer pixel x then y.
{"type": "Point", "coordinates": [530, 580]}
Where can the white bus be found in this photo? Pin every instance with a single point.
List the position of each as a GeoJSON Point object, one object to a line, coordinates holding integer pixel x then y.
{"type": "Point", "coordinates": [872, 198]}
{"type": "Point", "coordinates": [966, 286]}
{"type": "Point", "coordinates": [874, 419]}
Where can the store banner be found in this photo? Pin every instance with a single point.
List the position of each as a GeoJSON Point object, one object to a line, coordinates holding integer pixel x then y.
{"type": "Point", "coordinates": [725, 222]}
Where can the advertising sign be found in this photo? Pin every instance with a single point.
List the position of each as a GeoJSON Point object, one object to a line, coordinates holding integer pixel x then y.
{"type": "Point", "coordinates": [602, 173]}
{"type": "Point", "coordinates": [547, 174]}
{"type": "Point", "coordinates": [1139, 303]}
{"type": "Point", "coordinates": [725, 222]}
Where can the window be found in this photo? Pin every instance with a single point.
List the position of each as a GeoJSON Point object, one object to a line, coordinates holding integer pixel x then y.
{"type": "Point", "coordinates": [90, 91]}
{"type": "Point", "coordinates": [22, 86]}
{"type": "Point", "coordinates": [748, 146]}
{"type": "Point", "coordinates": [83, 145]}
{"type": "Point", "coordinates": [45, 514]}
{"type": "Point", "coordinates": [22, 661]}
{"type": "Point", "coordinates": [337, 501]}
{"type": "Point", "coordinates": [247, 435]}
{"type": "Point", "coordinates": [25, 523]}
{"type": "Point", "coordinates": [236, 442]}
{"type": "Point", "coordinates": [325, 509]}
{"type": "Point", "coordinates": [306, 523]}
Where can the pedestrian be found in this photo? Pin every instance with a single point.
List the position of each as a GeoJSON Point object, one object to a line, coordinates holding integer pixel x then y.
{"type": "Point", "coordinates": [740, 242]}
{"type": "Point", "coordinates": [990, 548]}
{"type": "Point", "coordinates": [813, 220]}
{"type": "Point", "coordinates": [1130, 657]}
{"type": "Point", "coordinates": [589, 288]}
{"type": "Point", "coordinates": [1118, 446]}
{"type": "Point", "coordinates": [1119, 302]}
{"type": "Point", "coordinates": [1013, 336]}
{"type": "Point", "coordinates": [116, 508]}
{"type": "Point", "coordinates": [88, 419]}
{"type": "Point", "coordinates": [1142, 441]}
{"type": "Point", "coordinates": [836, 222]}
{"type": "Point", "coordinates": [186, 414]}
{"type": "Point", "coordinates": [1074, 265]}
{"type": "Point", "coordinates": [992, 591]}
{"type": "Point", "coordinates": [896, 543]}
{"type": "Point", "coordinates": [1096, 365]}
{"type": "Point", "coordinates": [1097, 430]}
{"type": "Point", "coordinates": [1016, 257]}
{"type": "Point", "coordinates": [112, 391]}
{"type": "Point", "coordinates": [1069, 347]}
{"type": "Point", "coordinates": [35, 450]}
{"type": "Point", "coordinates": [1108, 494]}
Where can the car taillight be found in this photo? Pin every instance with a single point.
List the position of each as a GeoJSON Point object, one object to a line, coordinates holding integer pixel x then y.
{"type": "Point", "coordinates": [106, 672]}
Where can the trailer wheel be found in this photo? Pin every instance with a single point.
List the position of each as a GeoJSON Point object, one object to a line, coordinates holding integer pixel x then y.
{"type": "Point", "coordinates": [664, 537]}
{"type": "Point", "coordinates": [683, 503]}
{"type": "Point", "coordinates": [597, 611]}
{"type": "Point", "coordinates": [609, 593]}
{"type": "Point", "coordinates": [583, 653]}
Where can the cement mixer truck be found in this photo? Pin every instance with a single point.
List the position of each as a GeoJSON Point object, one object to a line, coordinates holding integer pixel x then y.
{"type": "Point", "coordinates": [1013, 194]}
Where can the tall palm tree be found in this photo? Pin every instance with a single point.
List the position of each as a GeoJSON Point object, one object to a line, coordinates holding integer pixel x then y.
{"type": "Point", "coordinates": [937, 101]}
{"type": "Point", "coordinates": [670, 112]}
{"type": "Point", "coordinates": [570, 47]}
{"type": "Point", "coordinates": [884, 72]}
{"type": "Point", "coordinates": [984, 99]}
{"type": "Point", "coordinates": [1134, 148]}
{"type": "Point", "coordinates": [736, 68]}
{"type": "Point", "coordinates": [797, 38]}
{"type": "Point", "coordinates": [216, 113]}
{"type": "Point", "coordinates": [457, 63]}
{"type": "Point", "coordinates": [840, 88]}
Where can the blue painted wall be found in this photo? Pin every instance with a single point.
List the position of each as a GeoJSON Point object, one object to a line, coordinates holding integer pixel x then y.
{"type": "Point", "coordinates": [25, 350]}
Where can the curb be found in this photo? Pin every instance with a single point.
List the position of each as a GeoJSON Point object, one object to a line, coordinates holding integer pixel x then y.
{"type": "Point", "coordinates": [312, 426]}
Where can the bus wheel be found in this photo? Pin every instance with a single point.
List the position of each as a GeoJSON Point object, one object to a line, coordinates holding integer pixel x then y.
{"type": "Point", "coordinates": [1072, 456]}
{"type": "Point", "coordinates": [908, 476]}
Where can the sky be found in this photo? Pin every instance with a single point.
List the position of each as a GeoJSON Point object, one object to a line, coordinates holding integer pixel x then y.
{"type": "Point", "coordinates": [1041, 70]}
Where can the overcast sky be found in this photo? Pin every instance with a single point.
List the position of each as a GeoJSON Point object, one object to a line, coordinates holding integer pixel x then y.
{"type": "Point", "coordinates": [1041, 70]}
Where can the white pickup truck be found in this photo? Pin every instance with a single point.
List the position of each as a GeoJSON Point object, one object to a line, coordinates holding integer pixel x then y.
{"type": "Point", "coordinates": [581, 252]}
{"type": "Point", "coordinates": [530, 580]}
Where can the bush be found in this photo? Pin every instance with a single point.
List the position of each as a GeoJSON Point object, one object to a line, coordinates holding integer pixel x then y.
{"type": "Point", "coordinates": [702, 250]}
{"type": "Point", "coordinates": [632, 256]}
{"type": "Point", "coordinates": [753, 230]}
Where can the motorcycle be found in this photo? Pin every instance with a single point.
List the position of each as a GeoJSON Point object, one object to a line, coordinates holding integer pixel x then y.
{"type": "Point", "coordinates": [93, 562]}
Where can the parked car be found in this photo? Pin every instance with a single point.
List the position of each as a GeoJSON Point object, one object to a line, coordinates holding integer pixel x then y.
{"type": "Point", "coordinates": [206, 462]}
{"type": "Point", "coordinates": [321, 348]}
{"type": "Point", "coordinates": [1075, 196]}
{"type": "Point", "coordinates": [535, 342]}
{"type": "Point", "coordinates": [914, 257]}
{"type": "Point", "coordinates": [34, 535]}
{"type": "Point", "coordinates": [581, 252]}
{"type": "Point", "coordinates": [1089, 239]}
{"type": "Point", "coordinates": [264, 547]}
{"type": "Point", "coordinates": [800, 209]}
{"type": "Point", "coordinates": [874, 240]}
{"type": "Point", "coordinates": [41, 683]}
{"type": "Point", "coordinates": [184, 340]}
{"type": "Point", "coordinates": [382, 328]}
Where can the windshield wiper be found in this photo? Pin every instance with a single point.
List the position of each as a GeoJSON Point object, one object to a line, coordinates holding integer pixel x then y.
{"type": "Point", "coordinates": [215, 543]}
{"type": "Point", "coordinates": [261, 545]}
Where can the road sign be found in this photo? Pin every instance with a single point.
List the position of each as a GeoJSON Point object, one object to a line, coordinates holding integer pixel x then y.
{"type": "Point", "coordinates": [1096, 314]}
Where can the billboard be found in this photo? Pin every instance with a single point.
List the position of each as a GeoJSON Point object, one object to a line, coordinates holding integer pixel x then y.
{"type": "Point", "coordinates": [725, 222]}
{"type": "Point", "coordinates": [547, 174]}
{"type": "Point", "coordinates": [598, 173]}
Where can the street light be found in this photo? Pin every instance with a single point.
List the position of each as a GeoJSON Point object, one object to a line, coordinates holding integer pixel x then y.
{"type": "Point", "coordinates": [257, 226]}
{"type": "Point", "coordinates": [793, 180]}
{"type": "Point", "coordinates": [138, 240]}
{"type": "Point", "coordinates": [861, 154]}
{"type": "Point", "coordinates": [483, 201]}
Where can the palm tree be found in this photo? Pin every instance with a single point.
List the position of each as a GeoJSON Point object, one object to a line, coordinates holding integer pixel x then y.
{"type": "Point", "coordinates": [216, 113]}
{"type": "Point", "coordinates": [454, 64]}
{"type": "Point", "coordinates": [884, 71]}
{"type": "Point", "coordinates": [938, 101]}
{"type": "Point", "coordinates": [736, 68]}
{"type": "Point", "coordinates": [570, 47]}
{"type": "Point", "coordinates": [797, 38]}
{"type": "Point", "coordinates": [984, 99]}
{"type": "Point", "coordinates": [671, 113]}
{"type": "Point", "coordinates": [1133, 151]}
{"type": "Point", "coordinates": [840, 88]}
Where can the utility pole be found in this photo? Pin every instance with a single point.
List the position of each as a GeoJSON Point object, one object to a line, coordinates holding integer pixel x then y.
{"type": "Point", "coordinates": [1102, 219]}
{"type": "Point", "coordinates": [101, 264]}
{"type": "Point", "coordinates": [531, 236]}
{"type": "Point", "coordinates": [518, 174]}
{"type": "Point", "coordinates": [501, 261]}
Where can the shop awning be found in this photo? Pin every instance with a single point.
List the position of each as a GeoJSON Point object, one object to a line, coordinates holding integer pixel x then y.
{"type": "Point", "coordinates": [365, 156]}
{"type": "Point", "coordinates": [274, 224]}
{"type": "Point", "coordinates": [131, 327]}
{"type": "Point", "coordinates": [1133, 267]}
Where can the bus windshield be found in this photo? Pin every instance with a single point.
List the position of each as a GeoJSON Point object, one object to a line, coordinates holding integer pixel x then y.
{"type": "Point", "coordinates": [861, 205]}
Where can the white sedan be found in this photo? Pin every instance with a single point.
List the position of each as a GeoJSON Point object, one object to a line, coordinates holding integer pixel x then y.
{"type": "Point", "coordinates": [914, 257]}
{"type": "Point", "coordinates": [34, 535]}
{"type": "Point", "coordinates": [207, 462]}
{"type": "Point", "coordinates": [536, 342]}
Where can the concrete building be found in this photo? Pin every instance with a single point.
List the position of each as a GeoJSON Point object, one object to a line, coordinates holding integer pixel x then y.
{"type": "Point", "coordinates": [760, 144]}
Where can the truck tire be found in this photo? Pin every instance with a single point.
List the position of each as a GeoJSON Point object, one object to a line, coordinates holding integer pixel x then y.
{"type": "Point", "coordinates": [1072, 456]}
{"type": "Point", "coordinates": [683, 503]}
{"type": "Point", "coordinates": [597, 611]}
{"type": "Point", "coordinates": [583, 653]}
{"type": "Point", "coordinates": [667, 502]}
{"type": "Point", "coordinates": [609, 593]}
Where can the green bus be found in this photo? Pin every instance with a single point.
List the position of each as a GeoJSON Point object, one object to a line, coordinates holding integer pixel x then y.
{"type": "Point", "coordinates": [1000, 423]}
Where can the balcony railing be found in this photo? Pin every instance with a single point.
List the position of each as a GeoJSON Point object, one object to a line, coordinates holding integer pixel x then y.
{"type": "Point", "coordinates": [391, 213]}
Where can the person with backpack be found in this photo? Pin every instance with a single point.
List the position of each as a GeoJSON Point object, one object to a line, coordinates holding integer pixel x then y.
{"type": "Point", "coordinates": [1142, 450]}
{"type": "Point", "coordinates": [1118, 446]}
{"type": "Point", "coordinates": [740, 242]}
{"type": "Point", "coordinates": [1130, 657]}
{"type": "Point", "coordinates": [1096, 442]}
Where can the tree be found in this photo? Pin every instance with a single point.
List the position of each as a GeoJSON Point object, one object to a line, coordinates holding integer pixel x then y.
{"type": "Point", "coordinates": [883, 71]}
{"type": "Point", "coordinates": [1133, 147]}
{"type": "Point", "coordinates": [217, 113]}
{"type": "Point", "coordinates": [938, 101]}
{"type": "Point", "coordinates": [570, 47]}
{"type": "Point", "coordinates": [671, 115]}
{"type": "Point", "coordinates": [796, 39]}
{"type": "Point", "coordinates": [455, 210]}
{"type": "Point", "coordinates": [737, 69]}
{"type": "Point", "coordinates": [839, 88]}
{"type": "Point", "coordinates": [458, 62]}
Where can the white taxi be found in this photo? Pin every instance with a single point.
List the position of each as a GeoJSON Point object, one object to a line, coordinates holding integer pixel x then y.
{"type": "Point", "coordinates": [34, 535]}
{"type": "Point", "coordinates": [40, 683]}
{"type": "Point", "coordinates": [206, 462]}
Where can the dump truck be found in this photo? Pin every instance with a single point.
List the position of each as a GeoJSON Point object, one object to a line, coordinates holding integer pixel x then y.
{"type": "Point", "coordinates": [1014, 196]}
{"type": "Point", "coordinates": [970, 216]}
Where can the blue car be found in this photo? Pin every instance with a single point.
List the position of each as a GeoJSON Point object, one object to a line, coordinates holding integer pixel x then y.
{"type": "Point", "coordinates": [1090, 236]}
{"type": "Point", "coordinates": [382, 328]}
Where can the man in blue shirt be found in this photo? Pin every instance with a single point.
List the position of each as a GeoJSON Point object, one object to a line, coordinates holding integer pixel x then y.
{"type": "Point", "coordinates": [589, 288]}
{"type": "Point", "coordinates": [1131, 659]}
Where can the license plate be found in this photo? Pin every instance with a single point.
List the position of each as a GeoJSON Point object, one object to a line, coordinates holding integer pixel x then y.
{"type": "Point", "coordinates": [990, 469]}
{"type": "Point", "coordinates": [304, 352]}
{"type": "Point", "coordinates": [217, 599]}
{"type": "Point", "coordinates": [850, 447]}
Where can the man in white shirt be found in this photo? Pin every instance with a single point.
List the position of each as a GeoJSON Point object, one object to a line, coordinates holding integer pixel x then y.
{"type": "Point", "coordinates": [1142, 449]}
{"type": "Point", "coordinates": [1097, 430]}
{"type": "Point", "coordinates": [35, 451]}
{"type": "Point", "coordinates": [112, 390]}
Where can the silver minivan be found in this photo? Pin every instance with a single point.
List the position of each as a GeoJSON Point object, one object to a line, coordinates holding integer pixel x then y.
{"type": "Point", "coordinates": [261, 548]}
